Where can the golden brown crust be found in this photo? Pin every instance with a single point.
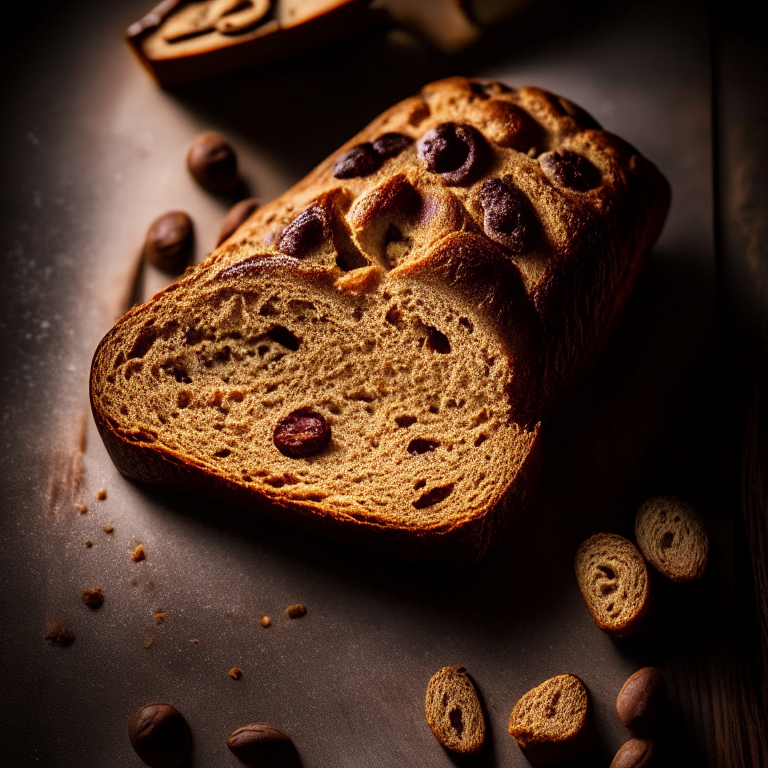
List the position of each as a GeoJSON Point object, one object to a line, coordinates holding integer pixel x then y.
{"type": "Point", "coordinates": [543, 293]}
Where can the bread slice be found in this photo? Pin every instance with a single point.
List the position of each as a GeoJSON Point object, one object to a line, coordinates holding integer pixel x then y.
{"type": "Point", "coordinates": [614, 583]}
{"type": "Point", "coordinates": [673, 538]}
{"type": "Point", "coordinates": [550, 721]}
{"type": "Point", "coordinates": [370, 355]}
{"type": "Point", "coordinates": [453, 711]}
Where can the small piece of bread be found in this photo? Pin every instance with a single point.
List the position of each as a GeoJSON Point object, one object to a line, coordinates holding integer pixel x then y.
{"type": "Point", "coordinates": [453, 711]}
{"type": "Point", "coordinates": [614, 583]}
{"type": "Point", "coordinates": [672, 537]}
{"type": "Point", "coordinates": [549, 722]}
{"type": "Point", "coordinates": [635, 753]}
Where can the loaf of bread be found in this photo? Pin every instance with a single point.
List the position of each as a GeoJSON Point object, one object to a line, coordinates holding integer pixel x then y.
{"type": "Point", "coordinates": [371, 355]}
{"type": "Point", "coordinates": [549, 723]}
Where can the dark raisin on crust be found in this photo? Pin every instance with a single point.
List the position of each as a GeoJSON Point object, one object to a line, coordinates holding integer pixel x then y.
{"type": "Point", "coordinates": [305, 232]}
{"type": "Point", "coordinates": [391, 144]}
{"type": "Point", "coordinates": [302, 433]}
{"type": "Point", "coordinates": [454, 150]}
{"type": "Point", "coordinates": [361, 160]}
{"type": "Point", "coordinates": [569, 169]}
{"type": "Point", "coordinates": [508, 217]}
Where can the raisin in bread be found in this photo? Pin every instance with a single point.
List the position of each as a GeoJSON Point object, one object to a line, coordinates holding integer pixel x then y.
{"type": "Point", "coordinates": [370, 355]}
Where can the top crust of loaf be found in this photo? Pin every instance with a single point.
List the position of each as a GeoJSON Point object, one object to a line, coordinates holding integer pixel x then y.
{"type": "Point", "coordinates": [673, 538]}
{"type": "Point", "coordinates": [549, 722]}
{"type": "Point", "coordinates": [399, 249]}
{"type": "Point", "coordinates": [614, 583]}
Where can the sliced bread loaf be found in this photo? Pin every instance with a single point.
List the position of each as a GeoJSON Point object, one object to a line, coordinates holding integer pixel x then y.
{"type": "Point", "coordinates": [673, 538]}
{"type": "Point", "coordinates": [550, 721]}
{"type": "Point", "coordinates": [453, 711]}
{"type": "Point", "coordinates": [371, 354]}
{"type": "Point", "coordinates": [614, 583]}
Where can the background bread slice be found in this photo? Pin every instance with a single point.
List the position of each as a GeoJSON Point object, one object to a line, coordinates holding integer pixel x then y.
{"type": "Point", "coordinates": [673, 538]}
{"type": "Point", "coordinates": [550, 721]}
{"type": "Point", "coordinates": [453, 711]}
{"type": "Point", "coordinates": [614, 583]}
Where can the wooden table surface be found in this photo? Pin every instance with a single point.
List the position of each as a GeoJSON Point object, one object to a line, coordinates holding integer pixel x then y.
{"type": "Point", "coordinates": [678, 403]}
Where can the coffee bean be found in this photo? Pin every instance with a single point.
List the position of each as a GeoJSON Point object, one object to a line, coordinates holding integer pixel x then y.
{"type": "Point", "coordinates": [507, 216]}
{"type": "Point", "coordinates": [454, 150]}
{"type": "Point", "coordinates": [635, 753]}
{"type": "Point", "coordinates": [361, 160]}
{"type": "Point", "coordinates": [160, 735]}
{"type": "Point", "coordinates": [264, 746]}
{"type": "Point", "coordinates": [641, 700]}
{"type": "Point", "coordinates": [391, 144]}
{"type": "Point", "coordinates": [169, 242]}
{"type": "Point", "coordinates": [213, 163]}
{"type": "Point", "coordinates": [305, 232]}
{"type": "Point", "coordinates": [302, 433]}
{"type": "Point", "coordinates": [569, 169]}
{"type": "Point", "coordinates": [236, 215]}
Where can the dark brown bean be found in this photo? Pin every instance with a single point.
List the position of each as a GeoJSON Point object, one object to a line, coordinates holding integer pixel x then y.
{"type": "Point", "coordinates": [391, 144]}
{"type": "Point", "coordinates": [302, 433]}
{"type": "Point", "coordinates": [305, 232]}
{"type": "Point", "coordinates": [361, 160]}
{"type": "Point", "coordinates": [236, 215]}
{"type": "Point", "coordinates": [169, 242]}
{"type": "Point", "coordinates": [264, 746]}
{"type": "Point", "coordinates": [507, 216]}
{"type": "Point", "coordinates": [160, 735]}
{"type": "Point", "coordinates": [454, 150]}
{"type": "Point", "coordinates": [569, 169]}
{"type": "Point", "coordinates": [641, 700]}
{"type": "Point", "coordinates": [635, 753]}
{"type": "Point", "coordinates": [213, 163]}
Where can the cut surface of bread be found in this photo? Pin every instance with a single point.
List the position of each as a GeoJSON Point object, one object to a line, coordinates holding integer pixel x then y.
{"type": "Point", "coordinates": [613, 580]}
{"type": "Point", "coordinates": [453, 711]}
{"type": "Point", "coordinates": [672, 537]}
{"type": "Point", "coordinates": [550, 721]}
{"type": "Point", "coordinates": [370, 356]}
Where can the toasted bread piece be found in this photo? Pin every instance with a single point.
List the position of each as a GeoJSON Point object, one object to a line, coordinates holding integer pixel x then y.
{"type": "Point", "coordinates": [370, 355]}
{"type": "Point", "coordinates": [453, 711]}
{"type": "Point", "coordinates": [614, 583]}
{"type": "Point", "coordinates": [550, 721]}
{"type": "Point", "coordinates": [672, 537]}
{"type": "Point", "coordinates": [635, 753]}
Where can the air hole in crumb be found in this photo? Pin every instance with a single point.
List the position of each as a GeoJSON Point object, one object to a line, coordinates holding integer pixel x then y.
{"type": "Point", "coordinates": [434, 409]}
{"type": "Point", "coordinates": [269, 309]}
{"type": "Point", "coordinates": [334, 409]}
{"type": "Point", "coordinates": [123, 410]}
{"type": "Point", "coordinates": [275, 482]}
{"type": "Point", "coordinates": [283, 336]}
{"type": "Point", "coordinates": [610, 607]}
{"type": "Point", "coordinates": [405, 421]}
{"type": "Point", "coordinates": [438, 341]}
{"type": "Point", "coordinates": [419, 484]}
{"type": "Point", "coordinates": [394, 317]}
{"type": "Point", "coordinates": [606, 589]}
{"type": "Point", "coordinates": [434, 496]}
{"type": "Point", "coordinates": [607, 571]}
{"type": "Point", "coordinates": [480, 440]}
{"type": "Point", "coordinates": [455, 717]}
{"type": "Point", "coordinates": [677, 518]}
{"type": "Point", "coordinates": [262, 350]}
{"type": "Point", "coordinates": [357, 313]}
{"type": "Point", "coordinates": [666, 540]}
{"type": "Point", "coordinates": [466, 323]}
{"type": "Point", "coordinates": [420, 445]}
{"type": "Point", "coordinates": [223, 453]}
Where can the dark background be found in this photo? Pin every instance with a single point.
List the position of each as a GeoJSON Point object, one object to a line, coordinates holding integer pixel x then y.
{"type": "Point", "coordinates": [92, 151]}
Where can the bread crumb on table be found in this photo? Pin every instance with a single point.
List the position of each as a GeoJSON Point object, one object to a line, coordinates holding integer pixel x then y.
{"type": "Point", "coordinates": [93, 597]}
{"type": "Point", "coordinates": [88, 543]}
{"type": "Point", "coordinates": [194, 641]}
{"type": "Point", "coordinates": [159, 616]}
{"type": "Point", "coordinates": [265, 621]}
{"type": "Point", "coordinates": [108, 528]}
{"type": "Point", "coordinates": [59, 634]}
{"type": "Point", "coordinates": [148, 640]}
{"type": "Point", "coordinates": [81, 508]}
{"type": "Point", "coordinates": [101, 494]}
{"type": "Point", "coordinates": [138, 553]}
{"type": "Point", "coordinates": [295, 611]}
{"type": "Point", "coordinates": [235, 673]}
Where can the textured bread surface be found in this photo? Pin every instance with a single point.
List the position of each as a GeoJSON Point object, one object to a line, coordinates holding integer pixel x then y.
{"type": "Point", "coordinates": [550, 721]}
{"type": "Point", "coordinates": [672, 537]}
{"type": "Point", "coordinates": [614, 583]}
{"type": "Point", "coordinates": [428, 315]}
{"type": "Point", "coordinates": [453, 711]}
